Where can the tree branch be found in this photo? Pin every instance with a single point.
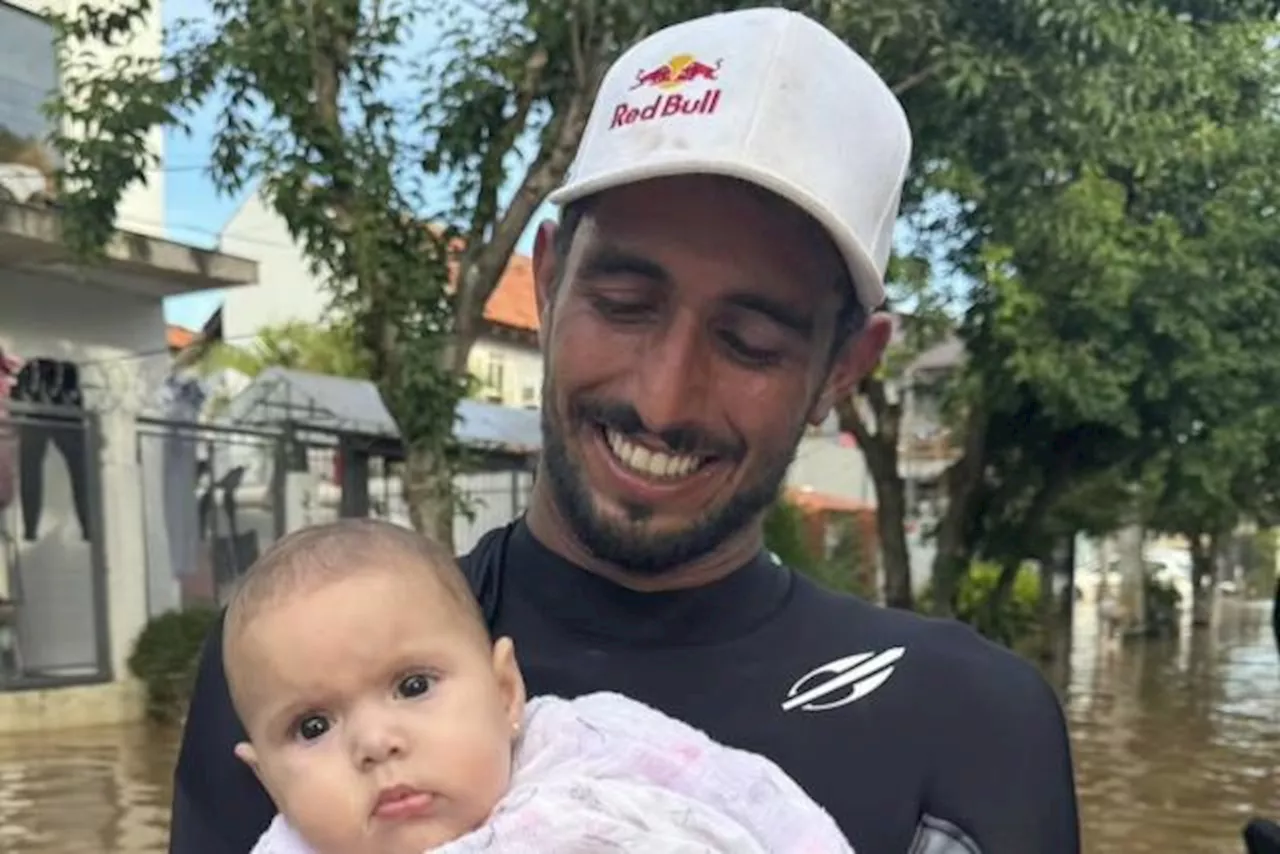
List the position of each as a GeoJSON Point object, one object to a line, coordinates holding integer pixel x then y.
{"type": "Point", "coordinates": [916, 78]}
{"type": "Point", "coordinates": [490, 170]}
{"type": "Point", "coordinates": [482, 266]}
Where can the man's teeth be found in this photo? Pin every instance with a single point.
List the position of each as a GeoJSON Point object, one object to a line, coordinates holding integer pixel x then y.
{"type": "Point", "coordinates": [648, 462]}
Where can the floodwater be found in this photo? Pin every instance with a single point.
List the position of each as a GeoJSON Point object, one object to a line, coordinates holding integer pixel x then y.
{"type": "Point", "coordinates": [1177, 744]}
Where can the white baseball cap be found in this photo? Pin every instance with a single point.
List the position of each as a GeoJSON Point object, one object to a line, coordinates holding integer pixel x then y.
{"type": "Point", "coordinates": [767, 96]}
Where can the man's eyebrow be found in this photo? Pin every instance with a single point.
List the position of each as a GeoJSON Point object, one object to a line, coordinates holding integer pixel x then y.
{"type": "Point", "coordinates": [777, 311]}
{"type": "Point", "coordinates": [607, 259]}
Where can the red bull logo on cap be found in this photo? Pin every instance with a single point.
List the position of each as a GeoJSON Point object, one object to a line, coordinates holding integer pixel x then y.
{"type": "Point", "coordinates": [674, 74]}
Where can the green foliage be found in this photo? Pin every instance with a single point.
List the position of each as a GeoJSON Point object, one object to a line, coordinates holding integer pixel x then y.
{"type": "Point", "coordinates": [784, 535]}
{"type": "Point", "coordinates": [330, 349]}
{"type": "Point", "coordinates": [1011, 624]}
{"type": "Point", "coordinates": [844, 570]}
{"type": "Point", "coordinates": [165, 658]}
{"type": "Point", "coordinates": [1117, 221]}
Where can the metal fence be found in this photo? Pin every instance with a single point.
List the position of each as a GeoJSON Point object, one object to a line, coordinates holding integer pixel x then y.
{"type": "Point", "coordinates": [215, 497]}
{"type": "Point", "coordinates": [53, 623]}
{"type": "Point", "coordinates": [212, 500]}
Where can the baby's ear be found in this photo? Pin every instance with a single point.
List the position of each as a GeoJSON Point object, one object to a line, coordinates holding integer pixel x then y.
{"type": "Point", "coordinates": [510, 681]}
{"type": "Point", "coordinates": [245, 753]}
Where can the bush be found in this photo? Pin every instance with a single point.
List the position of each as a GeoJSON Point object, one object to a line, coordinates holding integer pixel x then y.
{"type": "Point", "coordinates": [165, 657]}
{"type": "Point", "coordinates": [785, 536]}
{"type": "Point", "coordinates": [1011, 624]}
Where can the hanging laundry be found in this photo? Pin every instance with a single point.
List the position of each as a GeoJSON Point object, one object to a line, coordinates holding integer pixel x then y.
{"type": "Point", "coordinates": [8, 433]}
{"type": "Point", "coordinates": [169, 466]}
{"type": "Point", "coordinates": [55, 384]}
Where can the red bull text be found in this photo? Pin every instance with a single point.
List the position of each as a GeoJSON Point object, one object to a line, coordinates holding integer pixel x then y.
{"type": "Point", "coordinates": [678, 71]}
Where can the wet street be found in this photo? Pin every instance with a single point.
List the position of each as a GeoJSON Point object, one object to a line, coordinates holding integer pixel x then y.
{"type": "Point", "coordinates": [1177, 744]}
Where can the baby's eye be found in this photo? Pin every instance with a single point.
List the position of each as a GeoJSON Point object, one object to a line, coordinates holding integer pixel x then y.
{"type": "Point", "coordinates": [312, 727]}
{"type": "Point", "coordinates": [415, 685]}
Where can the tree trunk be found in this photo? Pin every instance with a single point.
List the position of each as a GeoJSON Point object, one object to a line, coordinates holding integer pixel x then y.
{"type": "Point", "coordinates": [891, 528]}
{"type": "Point", "coordinates": [1203, 555]}
{"type": "Point", "coordinates": [963, 480]}
{"type": "Point", "coordinates": [428, 490]}
{"type": "Point", "coordinates": [998, 599]}
{"type": "Point", "coordinates": [1065, 608]}
{"type": "Point", "coordinates": [1133, 575]}
{"type": "Point", "coordinates": [880, 450]}
{"type": "Point", "coordinates": [1275, 616]}
{"type": "Point", "coordinates": [1046, 633]}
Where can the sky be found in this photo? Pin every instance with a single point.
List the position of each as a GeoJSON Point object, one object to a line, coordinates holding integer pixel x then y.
{"type": "Point", "coordinates": [195, 213]}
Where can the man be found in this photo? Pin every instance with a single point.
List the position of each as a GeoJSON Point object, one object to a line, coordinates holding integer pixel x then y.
{"type": "Point", "coordinates": [708, 292]}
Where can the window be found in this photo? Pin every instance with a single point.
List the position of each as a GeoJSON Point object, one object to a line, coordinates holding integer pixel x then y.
{"type": "Point", "coordinates": [494, 378]}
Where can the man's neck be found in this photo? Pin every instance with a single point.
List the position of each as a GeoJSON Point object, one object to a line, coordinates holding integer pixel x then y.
{"type": "Point", "coordinates": [550, 528]}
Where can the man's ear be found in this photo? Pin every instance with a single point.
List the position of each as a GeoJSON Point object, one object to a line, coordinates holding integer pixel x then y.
{"type": "Point", "coordinates": [856, 360]}
{"type": "Point", "coordinates": [544, 274]}
{"type": "Point", "coordinates": [245, 753]}
{"type": "Point", "coordinates": [510, 682]}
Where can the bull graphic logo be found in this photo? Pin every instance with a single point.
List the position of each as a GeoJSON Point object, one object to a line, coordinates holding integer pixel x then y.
{"type": "Point", "coordinates": [676, 72]}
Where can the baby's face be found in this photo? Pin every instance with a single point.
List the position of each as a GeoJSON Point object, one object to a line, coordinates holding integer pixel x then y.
{"type": "Point", "coordinates": [378, 721]}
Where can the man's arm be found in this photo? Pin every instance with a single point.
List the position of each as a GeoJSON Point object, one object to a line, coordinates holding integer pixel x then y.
{"type": "Point", "coordinates": [219, 807]}
{"type": "Point", "coordinates": [1003, 762]}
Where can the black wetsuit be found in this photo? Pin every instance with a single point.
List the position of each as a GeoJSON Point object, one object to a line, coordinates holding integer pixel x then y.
{"type": "Point", "coordinates": [916, 735]}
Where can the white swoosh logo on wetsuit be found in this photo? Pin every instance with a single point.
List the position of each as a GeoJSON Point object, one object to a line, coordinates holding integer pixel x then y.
{"type": "Point", "coordinates": [847, 679]}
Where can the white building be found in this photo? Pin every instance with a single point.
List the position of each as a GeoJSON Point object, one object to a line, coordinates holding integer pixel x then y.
{"type": "Point", "coordinates": [92, 344]}
{"type": "Point", "coordinates": [505, 357]}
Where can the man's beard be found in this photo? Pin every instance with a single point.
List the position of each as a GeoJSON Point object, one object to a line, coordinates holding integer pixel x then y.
{"type": "Point", "coordinates": [629, 545]}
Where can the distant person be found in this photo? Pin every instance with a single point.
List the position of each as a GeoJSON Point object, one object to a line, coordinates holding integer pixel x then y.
{"type": "Point", "coordinates": [383, 719]}
{"type": "Point", "coordinates": [1262, 837]}
{"type": "Point", "coordinates": [8, 432]}
{"type": "Point", "coordinates": [1275, 616]}
{"type": "Point", "coordinates": [712, 289]}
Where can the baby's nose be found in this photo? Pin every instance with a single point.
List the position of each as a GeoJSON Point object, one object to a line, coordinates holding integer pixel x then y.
{"type": "Point", "coordinates": [378, 742]}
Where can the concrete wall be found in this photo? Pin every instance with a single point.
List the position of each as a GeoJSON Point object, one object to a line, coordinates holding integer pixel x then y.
{"type": "Point", "coordinates": [64, 708]}
{"type": "Point", "coordinates": [826, 466]}
{"type": "Point", "coordinates": [512, 373]}
{"type": "Point", "coordinates": [118, 340]}
{"type": "Point", "coordinates": [286, 289]}
{"type": "Point", "coordinates": [142, 207]}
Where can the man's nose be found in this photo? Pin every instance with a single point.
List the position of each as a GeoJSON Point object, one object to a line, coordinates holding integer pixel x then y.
{"type": "Point", "coordinates": [672, 375]}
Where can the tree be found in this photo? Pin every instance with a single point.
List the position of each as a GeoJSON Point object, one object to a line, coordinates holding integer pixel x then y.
{"type": "Point", "coordinates": [319, 348]}
{"type": "Point", "coordinates": [875, 416]}
{"type": "Point", "coordinates": [309, 108]}
{"type": "Point", "coordinates": [1103, 322]}
{"type": "Point", "coordinates": [787, 535]}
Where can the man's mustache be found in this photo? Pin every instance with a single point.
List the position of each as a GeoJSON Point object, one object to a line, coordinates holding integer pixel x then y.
{"type": "Point", "coordinates": [680, 438]}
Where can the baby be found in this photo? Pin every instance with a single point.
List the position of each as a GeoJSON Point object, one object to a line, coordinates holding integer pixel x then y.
{"type": "Point", "coordinates": [382, 719]}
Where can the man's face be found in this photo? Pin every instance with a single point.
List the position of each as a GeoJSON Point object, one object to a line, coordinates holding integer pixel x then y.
{"type": "Point", "coordinates": [688, 338]}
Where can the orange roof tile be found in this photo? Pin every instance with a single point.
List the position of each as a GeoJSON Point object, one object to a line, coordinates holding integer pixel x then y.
{"type": "Point", "coordinates": [808, 499]}
{"type": "Point", "coordinates": [178, 337]}
{"type": "Point", "coordinates": [512, 302]}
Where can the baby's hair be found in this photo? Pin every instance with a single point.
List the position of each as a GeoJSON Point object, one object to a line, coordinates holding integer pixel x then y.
{"type": "Point", "coordinates": [320, 554]}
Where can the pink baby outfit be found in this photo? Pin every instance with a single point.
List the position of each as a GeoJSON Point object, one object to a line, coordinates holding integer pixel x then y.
{"type": "Point", "coordinates": [606, 773]}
